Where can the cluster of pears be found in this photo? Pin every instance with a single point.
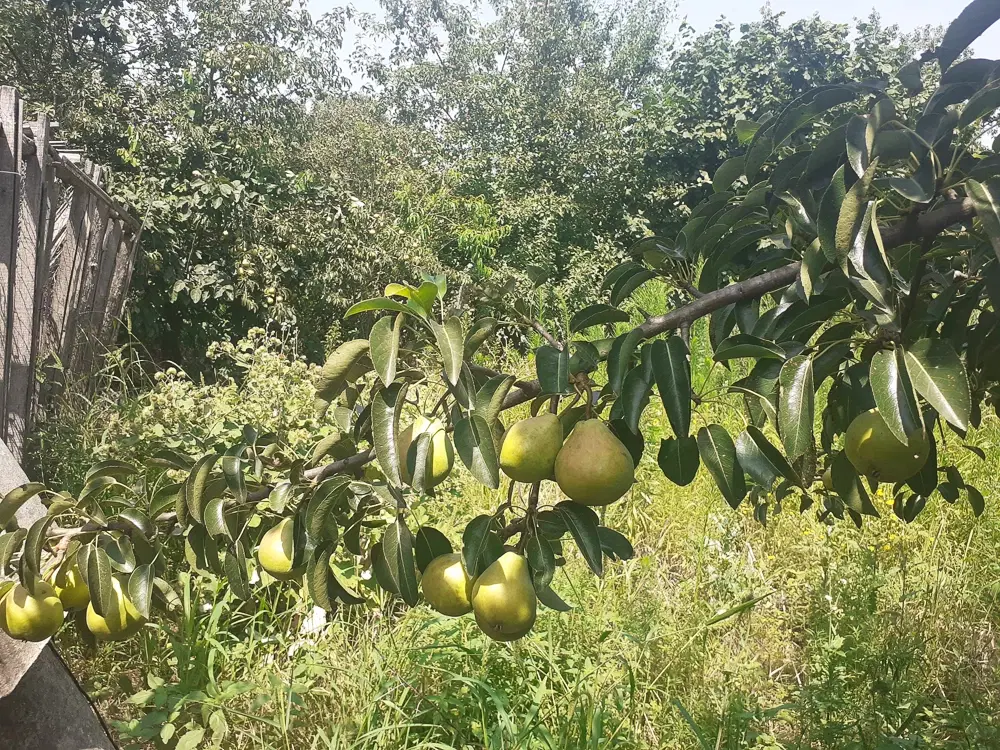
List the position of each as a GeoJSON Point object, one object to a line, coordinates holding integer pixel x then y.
{"type": "Point", "coordinates": [501, 597]}
{"type": "Point", "coordinates": [592, 467]}
{"type": "Point", "coordinates": [877, 453]}
{"type": "Point", "coordinates": [37, 617]}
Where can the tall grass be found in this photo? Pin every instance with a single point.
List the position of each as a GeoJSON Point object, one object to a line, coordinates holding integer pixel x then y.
{"type": "Point", "coordinates": [883, 637]}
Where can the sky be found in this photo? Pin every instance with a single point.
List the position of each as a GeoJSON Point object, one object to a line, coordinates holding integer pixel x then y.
{"type": "Point", "coordinates": [701, 14]}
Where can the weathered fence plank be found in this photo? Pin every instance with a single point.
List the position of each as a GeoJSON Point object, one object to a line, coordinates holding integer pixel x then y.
{"type": "Point", "coordinates": [66, 255]}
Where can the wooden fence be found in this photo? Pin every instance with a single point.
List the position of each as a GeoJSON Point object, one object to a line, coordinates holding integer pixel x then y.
{"type": "Point", "coordinates": [66, 255]}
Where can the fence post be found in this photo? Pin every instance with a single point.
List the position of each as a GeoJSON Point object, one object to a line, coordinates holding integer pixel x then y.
{"type": "Point", "coordinates": [10, 211]}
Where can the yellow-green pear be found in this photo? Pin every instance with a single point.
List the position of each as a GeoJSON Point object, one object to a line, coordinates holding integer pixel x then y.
{"type": "Point", "coordinates": [440, 454]}
{"type": "Point", "coordinates": [446, 585]}
{"type": "Point", "coordinates": [28, 617]}
{"type": "Point", "coordinates": [529, 449]}
{"type": "Point", "coordinates": [594, 467]}
{"type": "Point", "coordinates": [276, 553]}
{"type": "Point", "coordinates": [876, 452]}
{"type": "Point", "coordinates": [70, 587]}
{"type": "Point", "coordinates": [121, 622]}
{"type": "Point", "coordinates": [503, 598]}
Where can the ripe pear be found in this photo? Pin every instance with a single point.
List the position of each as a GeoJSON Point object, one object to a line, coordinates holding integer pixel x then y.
{"type": "Point", "coordinates": [529, 449]}
{"type": "Point", "coordinates": [503, 598]}
{"type": "Point", "coordinates": [440, 454]}
{"type": "Point", "coordinates": [594, 467]}
{"type": "Point", "coordinates": [121, 622]}
{"type": "Point", "coordinates": [875, 451]}
{"type": "Point", "coordinates": [31, 618]}
{"type": "Point", "coordinates": [71, 588]}
{"type": "Point", "coordinates": [446, 585]}
{"type": "Point", "coordinates": [276, 553]}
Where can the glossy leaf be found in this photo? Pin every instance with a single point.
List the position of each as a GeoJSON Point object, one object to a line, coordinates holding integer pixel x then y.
{"type": "Point", "coordinates": [386, 406]}
{"type": "Point", "coordinates": [552, 600]}
{"type": "Point", "coordinates": [796, 406]}
{"type": "Point", "coordinates": [614, 544]}
{"type": "Point", "coordinates": [491, 395]}
{"type": "Point", "coordinates": [451, 341]}
{"type": "Point", "coordinates": [397, 544]}
{"type": "Point", "coordinates": [98, 578]}
{"type": "Point", "coordinates": [679, 460]}
{"type": "Point", "coordinates": [634, 398]}
{"type": "Point", "coordinates": [718, 452]}
{"type": "Point", "coordinates": [598, 314]}
{"type": "Point", "coordinates": [376, 304]}
{"type": "Point", "coordinates": [851, 220]}
{"type": "Point", "coordinates": [628, 283]}
{"type": "Point", "coordinates": [729, 171]}
{"type": "Point", "coordinates": [893, 392]}
{"type": "Point", "coordinates": [860, 143]}
{"type": "Point", "coordinates": [320, 524]}
{"type": "Point", "coordinates": [582, 523]}
{"type": "Point", "coordinates": [672, 372]}
{"type": "Point", "coordinates": [334, 375]}
{"type": "Point", "coordinates": [476, 447]}
{"type": "Point", "coordinates": [232, 469]}
{"type": "Point", "coordinates": [195, 485]}
{"type": "Point", "coordinates": [428, 544]}
{"type": "Point", "coordinates": [384, 342]}
{"type": "Point", "coordinates": [474, 542]}
{"type": "Point", "coordinates": [849, 487]}
{"type": "Point", "coordinates": [140, 589]}
{"type": "Point", "coordinates": [117, 469]}
{"type": "Point", "coordinates": [17, 497]}
{"type": "Point", "coordinates": [620, 358]}
{"type": "Point", "coordinates": [552, 366]}
{"type": "Point", "coordinates": [743, 345]}
{"type": "Point", "coordinates": [829, 214]}
{"type": "Point", "coordinates": [541, 560]}
{"type": "Point", "coordinates": [938, 375]}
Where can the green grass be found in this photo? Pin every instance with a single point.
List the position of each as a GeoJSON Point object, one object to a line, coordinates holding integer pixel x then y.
{"type": "Point", "coordinates": [884, 637]}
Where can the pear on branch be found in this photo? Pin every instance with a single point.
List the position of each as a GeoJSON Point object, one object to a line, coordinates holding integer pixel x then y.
{"type": "Point", "coordinates": [877, 453]}
{"type": "Point", "coordinates": [446, 585]}
{"type": "Point", "coordinates": [503, 598]}
{"type": "Point", "coordinates": [440, 453]}
{"type": "Point", "coordinates": [31, 617]}
{"type": "Point", "coordinates": [594, 467]}
{"type": "Point", "coordinates": [529, 449]}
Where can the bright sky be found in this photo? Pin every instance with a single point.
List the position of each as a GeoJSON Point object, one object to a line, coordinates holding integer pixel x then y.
{"type": "Point", "coordinates": [701, 14]}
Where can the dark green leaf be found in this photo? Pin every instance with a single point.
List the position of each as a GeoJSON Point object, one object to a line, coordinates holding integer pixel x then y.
{"type": "Point", "coordinates": [678, 459]}
{"type": "Point", "coordinates": [321, 524]}
{"type": "Point", "coordinates": [232, 468]}
{"type": "Point", "coordinates": [939, 376]}
{"type": "Point", "coordinates": [860, 142]}
{"type": "Point", "coordinates": [378, 303]}
{"type": "Point", "coordinates": [853, 210]}
{"type": "Point", "coordinates": [117, 469]}
{"type": "Point", "coordinates": [628, 283]}
{"type": "Point", "coordinates": [215, 518]}
{"type": "Point", "coordinates": [978, 16]}
{"type": "Point", "coordinates": [635, 397]}
{"type": "Point", "coordinates": [672, 371]}
{"type": "Point", "coordinates": [614, 544]}
{"type": "Point", "coordinates": [234, 563]}
{"type": "Point", "coordinates": [718, 452]}
{"type": "Point", "coordinates": [582, 523]}
{"type": "Point", "coordinates": [552, 366]}
{"type": "Point", "coordinates": [541, 561]}
{"type": "Point", "coordinates": [728, 173]}
{"type": "Point", "coordinates": [829, 214]}
{"type": "Point", "coordinates": [552, 600]}
{"type": "Point", "coordinates": [31, 555]}
{"type": "Point", "coordinates": [140, 588]}
{"type": "Point", "coordinates": [384, 351]}
{"type": "Point", "coordinates": [98, 578]}
{"type": "Point", "coordinates": [386, 406]}
{"type": "Point", "coordinates": [986, 199]}
{"type": "Point", "coordinates": [893, 394]}
{"type": "Point", "coordinates": [848, 485]}
{"type": "Point", "coordinates": [10, 542]}
{"type": "Point", "coordinates": [428, 544]}
{"type": "Point", "coordinates": [195, 484]}
{"type": "Point", "coordinates": [744, 345]}
{"type": "Point", "coordinates": [620, 358]}
{"type": "Point", "coordinates": [474, 541]}
{"type": "Point", "coordinates": [597, 315]}
{"type": "Point", "coordinates": [397, 543]}
{"type": "Point", "coordinates": [477, 449]}
{"type": "Point", "coordinates": [796, 406]}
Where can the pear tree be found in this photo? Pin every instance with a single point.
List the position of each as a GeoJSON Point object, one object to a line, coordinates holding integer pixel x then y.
{"type": "Point", "coordinates": [853, 246]}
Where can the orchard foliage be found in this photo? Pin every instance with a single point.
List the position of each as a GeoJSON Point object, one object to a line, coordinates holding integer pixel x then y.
{"type": "Point", "coordinates": [848, 260]}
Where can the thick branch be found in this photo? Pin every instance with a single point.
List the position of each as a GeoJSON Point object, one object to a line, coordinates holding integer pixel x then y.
{"type": "Point", "coordinates": [319, 473]}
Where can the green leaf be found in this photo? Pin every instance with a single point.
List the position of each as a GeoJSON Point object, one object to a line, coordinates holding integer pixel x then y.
{"type": "Point", "coordinates": [796, 406]}
{"type": "Point", "coordinates": [428, 544]}
{"type": "Point", "coordinates": [194, 485]}
{"type": "Point", "coordinates": [541, 560]}
{"type": "Point", "coordinates": [738, 609]}
{"type": "Point", "coordinates": [10, 542]}
{"type": "Point", "coordinates": [848, 485]}
{"type": "Point", "coordinates": [678, 459]}
{"type": "Point", "coordinates": [190, 740]}
{"type": "Point", "coordinates": [451, 341]}
{"type": "Point", "coordinates": [939, 376]}
{"type": "Point", "coordinates": [628, 283]}
{"type": "Point", "coordinates": [215, 518]}
{"type": "Point", "coordinates": [477, 449]}
{"type": "Point", "coordinates": [378, 303]}
{"type": "Point", "coordinates": [324, 586]}
{"type": "Point", "coordinates": [829, 214]}
{"type": "Point", "coordinates": [474, 542]}
{"type": "Point", "coordinates": [165, 458]}
{"type": "Point", "coordinates": [234, 564]}
{"type": "Point", "coordinates": [746, 130]}
{"type": "Point", "coordinates": [728, 173]}
{"type": "Point", "coordinates": [893, 392]}
{"type": "Point", "coordinates": [491, 395]}
{"type": "Point", "coordinates": [552, 600]}
{"type": "Point", "coordinates": [672, 371]}
{"type": "Point", "coordinates": [978, 16]}
{"type": "Point", "coordinates": [853, 210]}
{"type": "Point", "coordinates": [17, 497]}
{"type": "Point", "coordinates": [31, 555]}
{"type": "Point", "coordinates": [582, 523]}
{"type": "Point", "coordinates": [380, 569]}
{"type": "Point", "coordinates": [620, 358]}
{"type": "Point", "coordinates": [976, 500]}
{"type": "Point", "coordinates": [321, 525]}
{"type": "Point", "coordinates": [117, 469]}
{"type": "Point", "coordinates": [334, 375]}
{"type": "Point", "coordinates": [860, 143]}
{"type": "Point", "coordinates": [635, 397]}
{"type": "Point", "coordinates": [744, 345]}
{"type": "Point", "coordinates": [384, 343]}
{"type": "Point", "coordinates": [614, 544]}
{"type": "Point", "coordinates": [986, 199]}
{"type": "Point", "coordinates": [386, 406]}
{"type": "Point", "coordinates": [622, 270]}
{"type": "Point", "coordinates": [813, 264]}
{"type": "Point", "coordinates": [140, 588]}
{"type": "Point", "coordinates": [98, 578]}
{"type": "Point", "coordinates": [718, 452]}
{"type": "Point", "coordinates": [597, 315]}
{"type": "Point", "coordinates": [921, 186]}
{"type": "Point", "coordinates": [279, 496]}
{"type": "Point", "coordinates": [482, 329]}
{"type": "Point", "coordinates": [552, 366]}
{"type": "Point", "coordinates": [232, 468]}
